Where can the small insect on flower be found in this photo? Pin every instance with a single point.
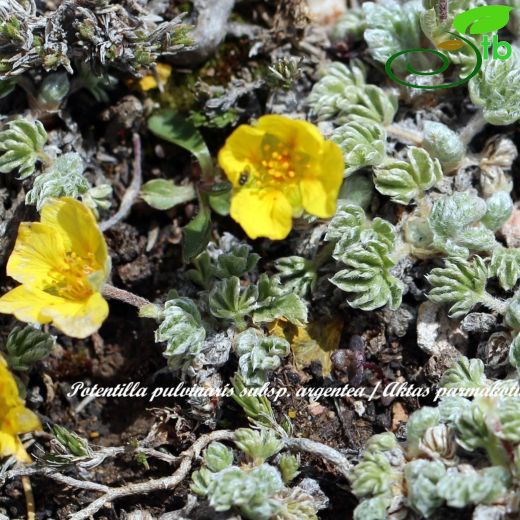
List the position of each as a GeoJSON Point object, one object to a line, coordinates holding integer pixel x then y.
{"type": "Point", "coordinates": [15, 418]}
{"type": "Point", "coordinates": [279, 168]}
{"type": "Point", "coordinates": [159, 77]}
{"type": "Point", "coordinates": [62, 263]}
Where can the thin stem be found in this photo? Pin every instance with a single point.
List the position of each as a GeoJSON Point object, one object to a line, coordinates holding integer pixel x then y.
{"type": "Point", "coordinates": [340, 461]}
{"type": "Point", "coordinates": [187, 459]}
{"type": "Point", "coordinates": [133, 190]}
{"type": "Point", "coordinates": [474, 127]}
{"type": "Point", "coordinates": [124, 296]}
{"type": "Point", "coordinates": [495, 304]}
{"type": "Point", "coordinates": [29, 498]}
{"type": "Point", "coordinates": [404, 134]}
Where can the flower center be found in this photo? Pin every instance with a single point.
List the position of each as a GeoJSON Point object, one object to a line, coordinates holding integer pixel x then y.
{"type": "Point", "coordinates": [69, 280]}
{"type": "Point", "coordinates": [279, 161]}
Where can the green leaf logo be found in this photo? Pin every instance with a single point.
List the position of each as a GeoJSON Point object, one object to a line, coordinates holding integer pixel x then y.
{"type": "Point", "coordinates": [484, 19]}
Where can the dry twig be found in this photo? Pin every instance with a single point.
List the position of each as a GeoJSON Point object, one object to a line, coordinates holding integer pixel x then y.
{"type": "Point", "coordinates": [133, 190]}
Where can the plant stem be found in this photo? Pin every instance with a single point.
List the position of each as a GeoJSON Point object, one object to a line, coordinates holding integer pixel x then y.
{"type": "Point", "coordinates": [495, 304]}
{"type": "Point", "coordinates": [473, 127]}
{"type": "Point", "coordinates": [124, 296]}
{"type": "Point", "coordinates": [133, 190]}
{"type": "Point", "coordinates": [404, 134]}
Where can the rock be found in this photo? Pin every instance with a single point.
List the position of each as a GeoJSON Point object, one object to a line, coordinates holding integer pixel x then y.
{"type": "Point", "coordinates": [312, 488]}
{"type": "Point", "coordinates": [326, 12]}
{"type": "Point", "coordinates": [495, 351]}
{"type": "Point", "coordinates": [436, 333]}
{"type": "Point", "coordinates": [398, 322]}
{"type": "Point", "coordinates": [399, 415]}
{"type": "Point", "coordinates": [478, 322]}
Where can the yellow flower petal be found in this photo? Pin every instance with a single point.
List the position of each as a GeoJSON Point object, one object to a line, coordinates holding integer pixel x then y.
{"type": "Point", "coordinates": [38, 249]}
{"type": "Point", "coordinates": [149, 81]}
{"type": "Point", "coordinates": [262, 213]}
{"type": "Point", "coordinates": [278, 164]}
{"type": "Point", "coordinates": [15, 418]}
{"type": "Point", "coordinates": [21, 454]}
{"type": "Point", "coordinates": [26, 304]}
{"type": "Point", "coordinates": [78, 319]}
{"type": "Point", "coordinates": [8, 444]}
{"type": "Point", "coordinates": [241, 153]}
{"type": "Point", "coordinates": [62, 262]}
{"type": "Point", "coordinates": [79, 230]}
{"type": "Point", "coordinates": [320, 188]}
{"type": "Point", "coordinates": [300, 135]}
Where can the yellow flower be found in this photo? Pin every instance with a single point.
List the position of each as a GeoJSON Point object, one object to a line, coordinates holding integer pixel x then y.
{"type": "Point", "coordinates": [279, 168]}
{"type": "Point", "coordinates": [15, 418]}
{"type": "Point", "coordinates": [62, 263]}
{"type": "Point", "coordinates": [149, 82]}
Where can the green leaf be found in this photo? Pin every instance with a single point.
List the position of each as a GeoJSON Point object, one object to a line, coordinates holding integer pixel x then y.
{"type": "Point", "coordinates": [26, 346]}
{"type": "Point", "coordinates": [220, 202]}
{"type": "Point", "coordinates": [228, 300]}
{"type": "Point", "coordinates": [512, 318]}
{"type": "Point", "coordinates": [362, 144]}
{"type": "Point", "coordinates": [391, 27]}
{"type": "Point", "coordinates": [455, 221]}
{"type": "Point", "coordinates": [6, 87]}
{"type": "Point", "coordinates": [494, 89]}
{"type": "Point", "coordinates": [505, 265]}
{"type": "Point", "coordinates": [259, 354]}
{"type": "Point", "coordinates": [297, 274]}
{"type": "Point", "coordinates": [422, 477]}
{"type": "Point", "coordinates": [72, 442]}
{"type": "Point", "coordinates": [374, 508]}
{"type": "Point", "coordinates": [460, 283]}
{"type": "Point", "coordinates": [509, 416]}
{"type": "Point", "coordinates": [65, 178]}
{"type": "Point", "coordinates": [237, 261]}
{"type": "Point", "coordinates": [181, 328]}
{"type": "Point", "coordinates": [197, 234]}
{"type": "Point", "coordinates": [364, 248]}
{"type": "Point", "coordinates": [405, 181]}
{"type": "Point", "coordinates": [257, 408]}
{"type": "Point", "coordinates": [164, 194]}
{"type": "Point", "coordinates": [289, 307]}
{"type": "Point", "coordinates": [461, 489]}
{"type": "Point", "coordinates": [218, 457]}
{"type": "Point", "coordinates": [358, 191]}
{"type": "Point", "coordinates": [472, 429]}
{"type": "Point", "coordinates": [275, 303]}
{"type": "Point", "coordinates": [372, 476]}
{"type": "Point", "coordinates": [173, 127]}
{"type": "Point", "coordinates": [499, 209]}
{"type": "Point", "coordinates": [336, 88]}
{"type": "Point", "coordinates": [443, 143]}
{"type": "Point", "coordinates": [258, 445]}
{"type": "Point", "coordinates": [289, 466]}
{"type": "Point", "coordinates": [369, 288]}
{"type": "Point", "coordinates": [22, 143]}
{"type": "Point", "coordinates": [466, 373]}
